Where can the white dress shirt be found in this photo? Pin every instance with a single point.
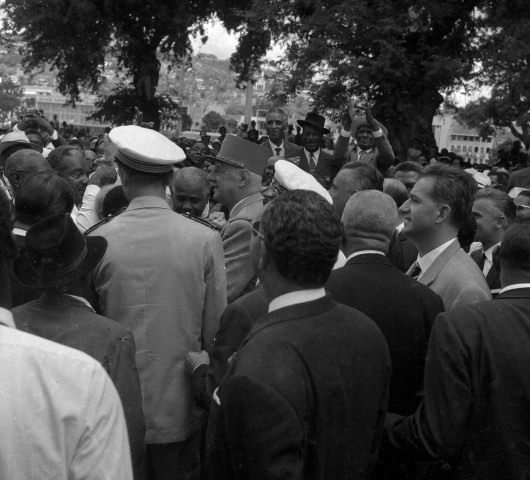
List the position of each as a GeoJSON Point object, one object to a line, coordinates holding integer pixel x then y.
{"type": "Point", "coordinates": [428, 259]}
{"type": "Point", "coordinates": [488, 261]}
{"type": "Point", "coordinates": [274, 147]}
{"type": "Point", "coordinates": [294, 298]}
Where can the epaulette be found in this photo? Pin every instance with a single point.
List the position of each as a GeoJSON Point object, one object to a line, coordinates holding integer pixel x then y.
{"type": "Point", "coordinates": [101, 222]}
{"type": "Point", "coordinates": [202, 221]}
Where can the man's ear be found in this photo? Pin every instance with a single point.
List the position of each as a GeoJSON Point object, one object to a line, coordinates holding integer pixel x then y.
{"type": "Point", "coordinates": [501, 222]}
{"type": "Point", "coordinates": [244, 178]}
{"type": "Point", "coordinates": [443, 213]}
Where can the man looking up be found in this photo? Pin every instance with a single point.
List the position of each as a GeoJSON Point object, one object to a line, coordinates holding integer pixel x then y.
{"type": "Point", "coordinates": [494, 212]}
{"type": "Point", "coordinates": [272, 417]}
{"type": "Point", "coordinates": [275, 124]}
{"type": "Point", "coordinates": [438, 207]}
{"type": "Point", "coordinates": [236, 183]}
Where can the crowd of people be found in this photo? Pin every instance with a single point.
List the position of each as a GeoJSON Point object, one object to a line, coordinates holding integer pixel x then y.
{"type": "Point", "coordinates": [275, 307]}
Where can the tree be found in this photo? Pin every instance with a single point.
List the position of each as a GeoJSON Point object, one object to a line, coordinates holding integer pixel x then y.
{"type": "Point", "coordinates": [10, 98]}
{"type": "Point", "coordinates": [73, 36]}
{"type": "Point", "coordinates": [399, 55]}
{"type": "Point", "coordinates": [212, 121]}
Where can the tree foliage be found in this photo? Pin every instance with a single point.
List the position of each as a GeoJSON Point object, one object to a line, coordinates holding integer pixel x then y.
{"type": "Point", "coordinates": [10, 98]}
{"type": "Point", "coordinates": [212, 121]}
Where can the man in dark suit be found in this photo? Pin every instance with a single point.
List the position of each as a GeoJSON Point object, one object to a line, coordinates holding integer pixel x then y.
{"type": "Point", "coordinates": [57, 260]}
{"type": "Point", "coordinates": [475, 412]}
{"type": "Point", "coordinates": [312, 408]}
{"type": "Point", "coordinates": [494, 212]}
{"type": "Point", "coordinates": [312, 158]}
{"type": "Point", "coordinates": [275, 123]}
{"type": "Point", "coordinates": [401, 307]}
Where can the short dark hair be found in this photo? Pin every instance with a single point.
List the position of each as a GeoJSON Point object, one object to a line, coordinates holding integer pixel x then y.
{"type": "Point", "coordinates": [55, 157]}
{"type": "Point", "coordinates": [368, 177]}
{"type": "Point", "coordinates": [454, 187]}
{"type": "Point", "coordinates": [302, 235]}
{"type": "Point", "coordinates": [42, 195]}
{"type": "Point", "coordinates": [114, 201]}
{"type": "Point", "coordinates": [407, 167]}
{"type": "Point", "coordinates": [504, 177]}
{"type": "Point", "coordinates": [502, 201]}
{"type": "Point", "coordinates": [515, 246]}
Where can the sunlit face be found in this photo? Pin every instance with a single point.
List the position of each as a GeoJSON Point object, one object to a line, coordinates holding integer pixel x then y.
{"type": "Point", "coordinates": [275, 126]}
{"type": "Point", "coordinates": [312, 138]}
{"type": "Point", "coordinates": [224, 181]}
{"type": "Point", "coordinates": [365, 137]}
{"type": "Point", "coordinates": [487, 219]}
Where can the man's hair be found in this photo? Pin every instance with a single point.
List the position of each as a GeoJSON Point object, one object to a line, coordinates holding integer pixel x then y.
{"type": "Point", "coordinates": [453, 187]}
{"type": "Point", "coordinates": [504, 177]}
{"type": "Point", "coordinates": [302, 235]}
{"type": "Point", "coordinates": [366, 176]}
{"type": "Point", "coordinates": [144, 178]}
{"type": "Point", "coordinates": [41, 196]}
{"type": "Point", "coordinates": [21, 160]}
{"type": "Point", "coordinates": [191, 173]}
{"type": "Point", "coordinates": [515, 246]}
{"type": "Point", "coordinates": [501, 200]}
{"type": "Point", "coordinates": [407, 167]}
{"type": "Point", "coordinates": [370, 214]}
{"type": "Point", "coordinates": [114, 201]}
{"type": "Point", "coordinates": [281, 111]}
{"type": "Point", "coordinates": [396, 190]}
{"type": "Point", "coordinates": [55, 157]}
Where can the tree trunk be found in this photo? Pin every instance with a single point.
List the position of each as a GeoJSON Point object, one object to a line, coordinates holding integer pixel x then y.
{"type": "Point", "coordinates": [410, 118]}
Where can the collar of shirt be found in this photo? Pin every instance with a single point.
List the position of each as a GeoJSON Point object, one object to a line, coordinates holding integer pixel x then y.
{"type": "Point", "coordinates": [515, 286]}
{"type": "Point", "coordinates": [82, 300]}
{"type": "Point", "coordinates": [274, 147]}
{"type": "Point", "coordinates": [315, 155]}
{"type": "Point", "coordinates": [74, 213]}
{"type": "Point", "coordinates": [148, 201]}
{"type": "Point", "coordinates": [489, 253]}
{"type": "Point", "coordinates": [400, 227]}
{"type": "Point", "coordinates": [428, 259]}
{"type": "Point", "coordinates": [364, 252]}
{"type": "Point", "coordinates": [6, 181]}
{"type": "Point", "coordinates": [6, 318]}
{"type": "Point", "coordinates": [294, 298]}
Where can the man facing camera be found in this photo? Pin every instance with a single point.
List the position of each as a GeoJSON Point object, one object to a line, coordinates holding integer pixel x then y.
{"type": "Point", "coordinates": [313, 409]}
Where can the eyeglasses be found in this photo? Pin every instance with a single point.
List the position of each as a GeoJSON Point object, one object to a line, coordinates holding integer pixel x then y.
{"type": "Point", "coordinates": [520, 208]}
{"type": "Point", "coordinates": [255, 230]}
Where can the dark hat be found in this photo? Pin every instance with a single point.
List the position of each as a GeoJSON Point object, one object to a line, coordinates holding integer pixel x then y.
{"type": "Point", "coordinates": [314, 120]}
{"type": "Point", "coordinates": [238, 152]}
{"type": "Point", "coordinates": [56, 253]}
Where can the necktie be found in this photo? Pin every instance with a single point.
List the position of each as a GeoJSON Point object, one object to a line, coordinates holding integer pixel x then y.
{"type": "Point", "coordinates": [278, 151]}
{"type": "Point", "coordinates": [312, 164]}
{"type": "Point", "coordinates": [482, 262]}
{"type": "Point", "coordinates": [415, 272]}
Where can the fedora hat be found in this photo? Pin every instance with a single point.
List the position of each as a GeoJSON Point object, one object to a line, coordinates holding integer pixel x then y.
{"type": "Point", "coordinates": [56, 253]}
{"type": "Point", "coordinates": [360, 121]}
{"type": "Point", "coordinates": [17, 137]}
{"type": "Point", "coordinates": [238, 152]}
{"type": "Point", "coordinates": [314, 120]}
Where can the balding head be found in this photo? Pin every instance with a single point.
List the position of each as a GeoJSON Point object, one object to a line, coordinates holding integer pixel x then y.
{"type": "Point", "coordinates": [190, 191]}
{"type": "Point", "coordinates": [23, 163]}
{"type": "Point", "coordinates": [369, 221]}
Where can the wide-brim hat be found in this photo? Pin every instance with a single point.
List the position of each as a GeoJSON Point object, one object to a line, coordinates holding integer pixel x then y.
{"type": "Point", "coordinates": [56, 253]}
{"type": "Point", "coordinates": [17, 137]}
{"type": "Point", "coordinates": [314, 120]}
{"type": "Point", "coordinates": [360, 121]}
{"type": "Point", "coordinates": [241, 153]}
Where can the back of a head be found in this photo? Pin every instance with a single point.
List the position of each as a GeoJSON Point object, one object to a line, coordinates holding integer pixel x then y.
{"type": "Point", "coordinates": [363, 176]}
{"type": "Point", "coordinates": [192, 176]}
{"type": "Point", "coordinates": [369, 215]}
{"type": "Point", "coordinates": [27, 161]}
{"type": "Point", "coordinates": [397, 190]}
{"type": "Point", "coordinates": [41, 196]}
{"type": "Point", "coordinates": [408, 167]}
{"type": "Point", "coordinates": [55, 157]}
{"type": "Point", "coordinates": [515, 248]}
{"type": "Point", "coordinates": [114, 202]}
{"type": "Point", "coordinates": [453, 187]}
{"type": "Point", "coordinates": [501, 200]}
{"type": "Point", "coordinates": [302, 235]}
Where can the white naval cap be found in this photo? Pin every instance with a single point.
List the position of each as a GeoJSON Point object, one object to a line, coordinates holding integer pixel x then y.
{"type": "Point", "coordinates": [291, 177]}
{"type": "Point", "coordinates": [145, 150]}
{"type": "Point", "coordinates": [481, 178]}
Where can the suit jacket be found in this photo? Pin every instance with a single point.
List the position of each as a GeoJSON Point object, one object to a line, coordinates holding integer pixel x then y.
{"type": "Point", "coordinates": [326, 167]}
{"type": "Point", "coordinates": [476, 412]}
{"type": "Point", "coordinates": [519, 178]}
{"type": "Point", "coordinates": [162, 277]}
{"type": "Point", "coordinates": [236, 233]}
{"type": "Point", "coordinates": [68, 321]}
{"type": "Point", "coordinates": [381, 157]}
{"type": "Point", "coordinates": [402, 253]}
{"type": "Point", "coordinates": [493, 278]}
{"type": "Point", "coordinates": [312, 409]}
{"type": "Point", "coordinates": [456, 278]}
{"type": "Point", "coordinates": [290, 149]}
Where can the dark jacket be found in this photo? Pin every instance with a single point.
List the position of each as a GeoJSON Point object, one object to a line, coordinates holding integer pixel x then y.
{"type": "Point", "coordinates": [326, 167]}
{"type": "Point", "coordinates": [304, 397]}
{"type": "Point", "coordinates": [493, 278]}
{"type": "Point", "coordinates": [476, 410]}
{"type": "Point", "coordinates": [68, 321]}
{"type": "Point", "coordinates": [402, 253]}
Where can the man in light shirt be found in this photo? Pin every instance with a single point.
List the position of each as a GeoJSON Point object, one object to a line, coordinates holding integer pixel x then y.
{"type": "Point", "coordinates": [438, 206]}
{"type": "Point", "coordinates": [494, 212]}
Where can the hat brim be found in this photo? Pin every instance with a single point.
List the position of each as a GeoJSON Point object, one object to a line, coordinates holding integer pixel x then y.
{"type": "Point", "coordinates": [228, 161]}
{"type": "Point", "coordinates": [33, 146]}
{"type": "Point", "coordinates": [303, 124]}
{"type": "Point", "coordinates": [28, 276]}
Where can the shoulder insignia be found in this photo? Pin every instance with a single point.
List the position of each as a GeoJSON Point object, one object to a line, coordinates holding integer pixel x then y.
{"type": "Point", "coordinates": [101, 222]}
{"type": "Point", "coordinates": [202, 221]}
